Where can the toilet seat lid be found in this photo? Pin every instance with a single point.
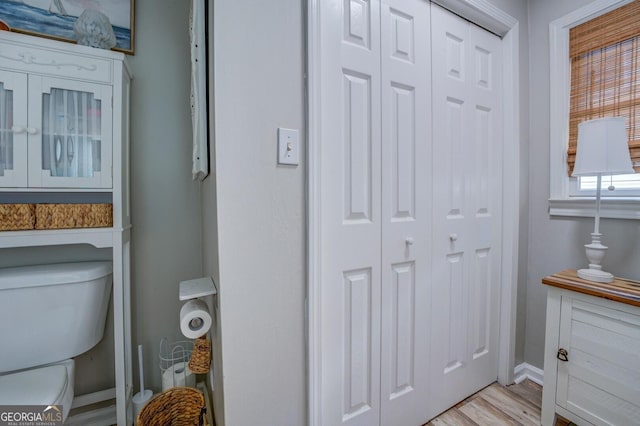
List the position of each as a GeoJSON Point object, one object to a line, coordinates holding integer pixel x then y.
{"type": "Point", "coordinates": [39, 386]}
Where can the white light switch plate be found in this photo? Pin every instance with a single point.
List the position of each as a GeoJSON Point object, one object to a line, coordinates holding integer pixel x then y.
{"type": "Point", "coordinates": [288, 146]}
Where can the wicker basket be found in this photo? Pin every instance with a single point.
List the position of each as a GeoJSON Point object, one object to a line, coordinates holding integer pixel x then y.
{"type": "Point", "coordinates": [200, 360]}
{"type": "Point", "coordinates": [63, 216]}
{"type": "Point", "coordinates": [179, 406]}
{"type": "Point", "coordinates": [15, 217]}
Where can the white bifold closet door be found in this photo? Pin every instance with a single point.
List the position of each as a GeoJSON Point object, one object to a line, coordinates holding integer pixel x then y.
{"type": "Point", "coordinates": [467, 206]}
{"type": "Point", "coordinates": [378, 201]}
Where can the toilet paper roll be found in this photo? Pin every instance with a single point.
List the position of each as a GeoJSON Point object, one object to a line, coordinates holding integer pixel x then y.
{"type": "Point", "coordinates": [195, 319]}
{"type": "Point", "coordinates": [178, 375]}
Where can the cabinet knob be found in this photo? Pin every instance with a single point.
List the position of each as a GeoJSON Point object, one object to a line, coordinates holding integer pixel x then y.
{"type": "Point", "coordinates": [32, 130]}
{"type": "Point", "coordinates": [453, 237]}
{"type": "Point", "coordinates": [409, 241]}
{"type": "Point", "coordinates": [562, 355]}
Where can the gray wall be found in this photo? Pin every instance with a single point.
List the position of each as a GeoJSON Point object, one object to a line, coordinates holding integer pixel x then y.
{"type": "Point", "coordinates": [260, 207]}
{"type": "Point", "coordinates": [557, 243]}
{"type": "Point", "coordinates": [253, 210]}
{"type": "Point", "coordinates": [166, 237]}
{"type": "Point", "coordinates": [166, 215]}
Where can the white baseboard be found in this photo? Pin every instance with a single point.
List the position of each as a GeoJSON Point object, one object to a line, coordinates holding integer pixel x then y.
{"type": "Point", "coordinates": [527, 371]}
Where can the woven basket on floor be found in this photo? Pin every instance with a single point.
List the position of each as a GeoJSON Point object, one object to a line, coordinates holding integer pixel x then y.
{"type": "Point", "coordinates": [200, 360]}
{"type": "Point", "coordinates": [16, 217]}
{"type": "Point", "coordinates": [180, 406]}
{"type": "Point", "coordinates": [64, 216]}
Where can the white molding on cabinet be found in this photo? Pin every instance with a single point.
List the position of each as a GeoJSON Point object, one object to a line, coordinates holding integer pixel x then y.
{"type": "Point", "coordinates": [32, 60]}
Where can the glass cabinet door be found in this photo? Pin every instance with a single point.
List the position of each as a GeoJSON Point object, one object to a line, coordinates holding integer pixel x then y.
{"type": "Point", "coordinates": [71, 122]}
{"type": "Point", "coordinates": [74, 149]}
{"type": "Point", "coordinates": [13, 129]}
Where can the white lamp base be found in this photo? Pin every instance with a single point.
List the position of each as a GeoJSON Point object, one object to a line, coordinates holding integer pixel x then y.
{"type": "Point", "coordinates": [595, 253]}
{"type": "Point", "coordinates": [595, 275]}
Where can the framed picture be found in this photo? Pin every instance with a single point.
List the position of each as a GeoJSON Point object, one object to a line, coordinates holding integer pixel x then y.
{"type": "Point", "coordinates": [55, 18]}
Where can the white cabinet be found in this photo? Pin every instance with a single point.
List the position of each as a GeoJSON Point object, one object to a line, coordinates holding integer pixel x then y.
{"type": "Point", "coordinates": [64, 135]}
{"type": "Point", "coordinates": [56, 128]}
{"type": "Point", "coordinates": [592, 351]}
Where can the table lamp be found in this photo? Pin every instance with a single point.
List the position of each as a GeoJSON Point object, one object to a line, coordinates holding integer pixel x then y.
{"type": "Point", "coordinates": [602, 150]}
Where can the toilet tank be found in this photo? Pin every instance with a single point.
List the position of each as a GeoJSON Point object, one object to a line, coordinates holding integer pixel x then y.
{"type": "Point", "coordinates": [49, 313]}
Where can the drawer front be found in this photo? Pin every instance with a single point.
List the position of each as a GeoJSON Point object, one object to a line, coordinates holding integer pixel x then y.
{"type": "Point", "coordinates": [57, 63]}
{"type": "Point", "coordinates": [600, 382]}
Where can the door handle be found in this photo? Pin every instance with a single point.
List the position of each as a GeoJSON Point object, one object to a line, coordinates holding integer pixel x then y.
{"type": "Point", "coordinates": [409, 241]}
{"type": "Point", "coordinates": [562, 355]}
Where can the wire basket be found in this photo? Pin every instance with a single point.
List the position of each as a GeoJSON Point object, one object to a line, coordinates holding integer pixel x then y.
{"type": "Point", "coordinates": [174, 364]}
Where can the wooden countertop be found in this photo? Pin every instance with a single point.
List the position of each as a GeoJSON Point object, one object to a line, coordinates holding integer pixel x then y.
{"type": "Point", "coordinates": [620, 290]}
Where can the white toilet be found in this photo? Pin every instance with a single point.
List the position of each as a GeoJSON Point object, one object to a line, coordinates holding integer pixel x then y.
{"type": "Point", "coordinates": [48, 314]}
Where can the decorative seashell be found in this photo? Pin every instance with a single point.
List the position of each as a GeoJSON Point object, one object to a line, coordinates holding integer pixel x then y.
{"type": "Point", "coordinates": [92, 28]}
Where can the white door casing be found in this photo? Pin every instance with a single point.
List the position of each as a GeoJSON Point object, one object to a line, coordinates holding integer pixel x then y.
{"type": "Point", "coordinates": [406, 211]}
{"type": "Point", "coordinates": [467, 208]}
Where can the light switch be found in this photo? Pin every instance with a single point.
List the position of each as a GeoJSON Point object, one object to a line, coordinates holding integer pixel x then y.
{"type": "Point", "coordinates": [288, 146]}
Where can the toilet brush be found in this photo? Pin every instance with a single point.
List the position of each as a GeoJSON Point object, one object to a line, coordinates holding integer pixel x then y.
{"type": "Point", "coordinates": [144, 395]}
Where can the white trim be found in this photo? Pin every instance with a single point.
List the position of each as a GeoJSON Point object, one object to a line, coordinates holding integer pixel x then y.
{"type": "Point", "coordinates": [510, 201]}
{"type": "Point", "coordinates": [486, 15]}
{"type": "Point", "coordinates": [481, 13]}
{"type": "Point", "coordinates": [314, 234]}
{"type": "Point", "coordinates": [559, 88]}
{"type": "Point", "coordinates": [99, 417]}
{"type": "Point", "coordinates": [624, 208]}
{"type": "Point", "coordinates": [527, 371]}
{"type": "Point", "coordinates": [92, 398]}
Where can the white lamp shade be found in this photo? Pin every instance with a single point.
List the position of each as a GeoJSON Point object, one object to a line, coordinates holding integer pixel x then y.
{"type": "Point", "coordinates": [603, 148]}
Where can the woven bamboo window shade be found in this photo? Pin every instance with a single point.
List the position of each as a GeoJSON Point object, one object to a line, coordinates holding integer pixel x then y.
{"type": "Point", "coordinates": [605, 74]}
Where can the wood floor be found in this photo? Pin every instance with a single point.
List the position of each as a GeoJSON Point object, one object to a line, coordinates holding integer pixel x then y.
{"type": "Point", "coordinates": [497, 405]}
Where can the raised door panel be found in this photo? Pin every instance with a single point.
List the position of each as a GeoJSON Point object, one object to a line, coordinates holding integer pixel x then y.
{"type": "Point", "coordinates": [13, 129]}
{"type": "Point", "coordinates": [406, 137]}
{"type": "Point", "coordinates": [72, 145]}
{"type": "Point", "coordinates": [484, 194]}
{"type": "Point", "coordinates": [599, 382]}
{"type": "Point", "coordinates": [467, 187]}
{"type": "Point", "coordinates": [350, 211]}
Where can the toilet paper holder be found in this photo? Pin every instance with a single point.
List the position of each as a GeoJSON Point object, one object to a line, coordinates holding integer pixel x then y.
{"type": "Point", "coordinates": [196, 288]}
{"type": "Point", "coordinates": [195, 314]}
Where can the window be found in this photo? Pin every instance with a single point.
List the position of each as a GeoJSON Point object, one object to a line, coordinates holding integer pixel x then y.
{"type": "Point", "coordinates": [595, 70]}
{"type": "Point", "coordinates": [605, 82]}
